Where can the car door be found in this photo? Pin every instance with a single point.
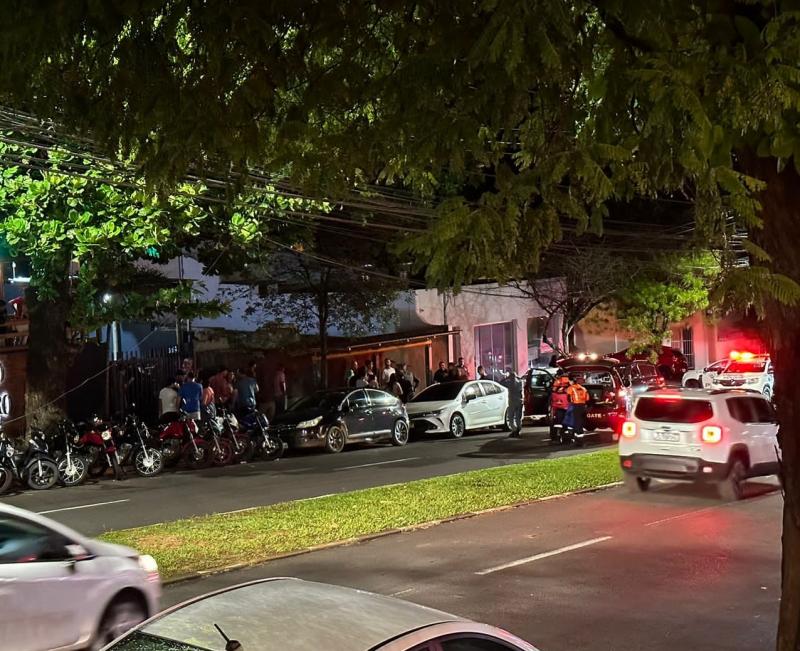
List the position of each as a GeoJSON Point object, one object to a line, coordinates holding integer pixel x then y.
{"type": "Point", "coordinates": [538, 389]}
{"type": "Point", "coordinates": [747, 431]}
{"type": "Point", "coordinates": [383, 406]}
{"type": "Point", "coordinates": [766, 430]}
{"type": "Point", "coordinates": [41, 593]}
{"type": "Point", "coordinates": [358, 417]}
{"type": "Point", "coordinates": [495, 403]}
{"type": "Point", "coordinates": [711, 372]}
{"type": "Point", "coordinates": [473, 405]}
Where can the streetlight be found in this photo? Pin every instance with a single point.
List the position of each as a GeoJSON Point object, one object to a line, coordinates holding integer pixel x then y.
{"type": "Point", "coordinates": [115, 334]}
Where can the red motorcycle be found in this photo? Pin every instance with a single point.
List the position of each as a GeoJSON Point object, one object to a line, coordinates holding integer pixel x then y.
{"type": "Point", "coordinates": [181, 439]}
{"type": "Point", "coordinates": [99, 445]}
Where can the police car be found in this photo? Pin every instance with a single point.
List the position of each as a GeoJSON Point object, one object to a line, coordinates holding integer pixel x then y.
{"type": "Point", "coordinates": [700, 378]}
{"type": "Point", "coordinates": [720, 436]}
{"type": "Point", "coordinates": [748, 371]}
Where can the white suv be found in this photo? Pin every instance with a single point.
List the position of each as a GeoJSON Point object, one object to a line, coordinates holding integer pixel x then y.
{"type": "Point", "coordinates": [721, 436]}
{"type": "Point", "coordinates": [749, 372]}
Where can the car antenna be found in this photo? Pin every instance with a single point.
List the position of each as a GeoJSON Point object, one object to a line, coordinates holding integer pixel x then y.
{"type": "Point", "coordinates": [230, 645]}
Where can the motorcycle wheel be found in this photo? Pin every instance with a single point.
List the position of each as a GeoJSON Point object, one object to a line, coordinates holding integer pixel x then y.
{"type": "Point", "coordinates": [222, 452]}
{"type": "Point", "coordinates": [148, 464]}
{"type": "Point", "coordinates": [170, 451]}
{"type": "Point", "coordinates": [41, 475]}
{"type": "Point", "coordinates": [200, 458]}
{"type": "Point", "coordinates": [272, 449]}
{"type": "Point", "coordinates": [72, 472]}
{"type": "Point", "coordinates": [243, 447]}
{"type": "Point", "coordinates": [6, 479]}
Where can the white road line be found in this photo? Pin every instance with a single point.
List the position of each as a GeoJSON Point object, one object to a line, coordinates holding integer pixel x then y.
{"type": "Point", "coordinates": [377, 463]}
{"type": "Point", "coordinates": [84, 506]}
{"type": "Point", "coordinates": [680, 516]}
{"type": "Point", "coordinates": [538, 557]}
{"type": "Point", "coordinates": [397, 594]}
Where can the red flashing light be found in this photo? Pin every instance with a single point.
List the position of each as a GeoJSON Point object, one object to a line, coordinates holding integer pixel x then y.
{"type": "Point", "coordinates": [629, 429]}
{"type": "Point", "coordinates": [628, 463]}
{"type": "Point", "coordinates": [711, 434]}
{"type": "Point", "coordinates": [741, 356]}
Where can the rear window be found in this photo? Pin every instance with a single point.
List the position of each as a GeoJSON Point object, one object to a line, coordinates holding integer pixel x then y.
{"type": "Point", "coordinates": [673, 410]}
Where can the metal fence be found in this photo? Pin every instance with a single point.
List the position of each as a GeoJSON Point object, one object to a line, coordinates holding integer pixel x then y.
{"type": "Point", "coordinates": [134, 382]}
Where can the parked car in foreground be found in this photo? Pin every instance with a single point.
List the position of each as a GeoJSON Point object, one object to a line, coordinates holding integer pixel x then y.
{"type": "Point", "coordinates": [61, 590]}
{"type": "Point", "coordinates": [263, 615]}
{"type": "Point", "coordinates": [459, 406]}
{"type": "Point", "coordinates": [332, 419]}
{"type": "Point", "coordinates": [721, 436]}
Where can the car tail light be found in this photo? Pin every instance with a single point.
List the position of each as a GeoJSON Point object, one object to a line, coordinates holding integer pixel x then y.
{"type": "Point", "coordinates": [711, 434]}
{"type": "Point", "coordinates": [628, 429]}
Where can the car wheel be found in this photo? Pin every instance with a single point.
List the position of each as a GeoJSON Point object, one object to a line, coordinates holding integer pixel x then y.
{"type": "Point", "coordinates": [400, 432]}
{"type": "Point", "coordinates": [457, 426]}
{"type": "Point", "coordinates": [637, 484]}
{"type": "Point", "coordinates": [731, 488]}
{"type": "Point", "coordinates": [506, 426]}
{"type": "Point", "coordinates": [767, 393]}
{"type": "Point", "coordinates": [693, 384]}
{"type": "Point", "coordinates": [335, 439]}
{"type": "Point", "coordinates": [120, 617]}
{"type": "Point", "coordinates": [6, 479]}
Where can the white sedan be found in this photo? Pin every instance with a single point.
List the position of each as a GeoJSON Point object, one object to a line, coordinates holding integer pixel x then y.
{"type": "Point", "coordinates": [61, 591]}
{"type": "Point", "coordinates": [456, 407]}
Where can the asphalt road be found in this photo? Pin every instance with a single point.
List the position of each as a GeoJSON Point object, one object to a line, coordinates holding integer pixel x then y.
{"type": "Point", "coordinates": [606, 571]}
{"type": "Point", "coordinates": [104, 505]}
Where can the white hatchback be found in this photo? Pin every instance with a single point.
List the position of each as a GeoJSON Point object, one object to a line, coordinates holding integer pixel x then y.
{"type": "Point", "coordinates": [459, 406]}
{"type": "Point", "coordinates": [721, 436]}
{"type": "Point", "coordinates": [60, 591]}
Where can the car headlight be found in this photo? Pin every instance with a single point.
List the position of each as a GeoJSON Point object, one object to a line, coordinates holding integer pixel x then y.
{"type": "Point", "coordinates": [312, 422]}
{"type": "Point", "coordinates": [106, 435]}
{"type": "Point", "coordinates": [148, 565]}
{"type": "Point", "coordinates": [427, 414]}
{"type": "Point", "coordinates": [752, 380]}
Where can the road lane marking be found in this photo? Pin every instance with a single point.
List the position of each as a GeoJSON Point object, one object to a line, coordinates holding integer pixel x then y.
{"type": "Point", "coordinates": [377, 463]}
{"type": "Point", "coordinates": [84, 506]}
{"type": "Point", "coordinates": [538, 557]}
{"type": "Point", "coordinates": [681, 515]}
{"type": "Point", "coordinates": [402, 592]}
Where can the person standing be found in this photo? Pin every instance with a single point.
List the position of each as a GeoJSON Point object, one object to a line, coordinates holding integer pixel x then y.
{"type": "Point", "coordinates": [350, 374]}
{"type": "Point", "coordinates": [246, 392]}
{"type": "Point", "coordinates": [279, 389]}
{"type": "Point", "coordinates": [361, 379]}
{"type": "Point", "coordinates": [461, 369]}
{"type": "Point", "coordinates": [482, 373]}
{"type": "Point", "coordinates": [513, 384]}
{"type": "Point", "coordinates": [559, 403]}
{"type": "Point", "coordinates": [578, 398]}
{"type": "Point", "coordinates": [169, 402]}
{"type": "Point", "coordinates": [191, 393]}
{"type": "Point", "coordinates": [408, 382]}
{"type": "Point", "coordinates": [452, 372]}
{"type": "Point", "coordinates": [386, 374]}
{"type": "Point", "coordinates": [221, 385]}
{"type": "Point", "coordinates": [441, 375]}
{"type": "Point", "coordinates": [208, 402]}
{"type": "Point", "coordinates": [394, 387]}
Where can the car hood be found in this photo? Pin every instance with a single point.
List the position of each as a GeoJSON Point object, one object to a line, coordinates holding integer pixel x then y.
{"type": "Point", "coordinates": [294, 417]}
{"type": "Point", "coordinates": [100, 548]}
{"type": "Point", "coordinates": [421, 407]}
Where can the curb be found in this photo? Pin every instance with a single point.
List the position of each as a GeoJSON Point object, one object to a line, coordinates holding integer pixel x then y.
{"type": "Point", "coordinates": [183, 578]}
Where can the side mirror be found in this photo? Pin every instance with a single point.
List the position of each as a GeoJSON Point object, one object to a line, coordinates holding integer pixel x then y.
{"type": "Point", "coordinates": [469, 397]}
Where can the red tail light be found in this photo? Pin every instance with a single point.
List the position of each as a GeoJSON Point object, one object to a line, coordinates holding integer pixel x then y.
{"type": "Point", "coordinates": [628, 429]}
{"type": "Point", "coordinates": [711, 434]}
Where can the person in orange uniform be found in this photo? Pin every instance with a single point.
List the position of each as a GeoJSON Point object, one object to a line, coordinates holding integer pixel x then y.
{"type": "Point", "coordinates": [578, 398]}
{"type": "Point", "coordinates": [558, 404]}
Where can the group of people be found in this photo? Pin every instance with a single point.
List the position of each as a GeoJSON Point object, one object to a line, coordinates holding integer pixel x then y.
{"type": "Point", "coordinates": [452, 371]}
{"type": "Point", "coordinates": [235, 391]}
{"type": "Point", "coordinates": [395, 378]}
{"type": "Point", "coordinates": [568, 401]}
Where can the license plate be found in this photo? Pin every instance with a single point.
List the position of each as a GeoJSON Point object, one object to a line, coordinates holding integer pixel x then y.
{"type": "Point", "coordinates": [669, 437]}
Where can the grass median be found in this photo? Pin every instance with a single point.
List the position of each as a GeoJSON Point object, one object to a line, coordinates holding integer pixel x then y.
{"type": "Point", "coordinates": [213, 542]}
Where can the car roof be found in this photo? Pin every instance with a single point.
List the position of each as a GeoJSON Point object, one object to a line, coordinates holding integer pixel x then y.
{"type": "Point", "coordinates": [285, 613]}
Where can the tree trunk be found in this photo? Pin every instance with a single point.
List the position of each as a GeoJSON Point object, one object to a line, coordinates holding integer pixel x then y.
{"type": "Point", "coordinates": [323, 340]}
{"type": "Point", "coordinates": [49, 357]}
{"type": "Point", "coordinates": [779, 237]}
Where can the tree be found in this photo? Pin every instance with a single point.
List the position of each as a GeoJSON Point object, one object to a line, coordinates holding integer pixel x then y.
{"type": "Point", "coordinates": [549, 110]}
{"type": "Point", "coordinates": [574, 284]}
{"type": "Point", "coordinates": [670, 292]}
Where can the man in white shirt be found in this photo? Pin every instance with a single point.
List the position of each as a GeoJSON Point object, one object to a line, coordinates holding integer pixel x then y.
{"type": "Point", "coordinates": [386, 374]}
{"type": "Point", "coordinates": [168, 402]}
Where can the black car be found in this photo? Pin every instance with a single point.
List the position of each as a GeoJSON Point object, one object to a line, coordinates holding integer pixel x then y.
{"type": "Point", "coordinates": [332, 419]}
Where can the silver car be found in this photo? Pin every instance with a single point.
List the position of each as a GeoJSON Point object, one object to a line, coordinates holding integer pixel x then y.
{"type": "Point", "coordinates": [61, 591]}
{"type": "Point", "coordinates": [291, 615]}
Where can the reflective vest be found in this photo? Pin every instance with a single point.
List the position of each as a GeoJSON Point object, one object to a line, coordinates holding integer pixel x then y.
{"type": "Point", "coordinates": [560, 383]}
{"type": "Point", "coordinates": [577, 394]}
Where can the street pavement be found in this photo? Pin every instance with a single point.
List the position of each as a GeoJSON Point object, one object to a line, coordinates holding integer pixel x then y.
{"type": "Point", "coordinates": [675, 568]}
{"type": "Point", "coordinates": [104, 505]}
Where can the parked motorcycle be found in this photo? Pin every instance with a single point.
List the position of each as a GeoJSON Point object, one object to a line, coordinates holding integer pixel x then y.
{"type": "Point", "coordinates": [221, 448]}
{"type": "Point", "coordinates": [139, 448]}
{"type": "Point", "coordinates": [27, 462]}
{"type": "Point", "coordinates": [101, 448]}
{"type": "Point", "coordinates": [180, 439]}
{"type": "Point", "coordinates": [72, 464]}
{"type": "Point", "coordinates": [243, 446]}
{"type": "Point", "coordinates": [267, 445]}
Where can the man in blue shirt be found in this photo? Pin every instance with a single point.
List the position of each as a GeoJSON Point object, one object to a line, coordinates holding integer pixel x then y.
{"type": "Point", "coordinates": [191, 393]}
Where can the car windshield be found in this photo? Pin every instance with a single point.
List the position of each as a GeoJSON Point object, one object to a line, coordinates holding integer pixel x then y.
{"type": "Point", "coordinates": [756, 366]}
{"type": "Point", "coordinates": [139, 641]}
{"type": "Point", "coordinates": [436, 392]}
{"type": "Point", "coordinates": [673, 410]}
{"type": "Point", "coordinates": [324, 400]}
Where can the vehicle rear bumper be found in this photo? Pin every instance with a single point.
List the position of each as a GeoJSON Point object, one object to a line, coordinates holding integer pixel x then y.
{"type": "Point", "coordinates": [600, 418]}
{"type": "Point", "coordinates": [663, 466]}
